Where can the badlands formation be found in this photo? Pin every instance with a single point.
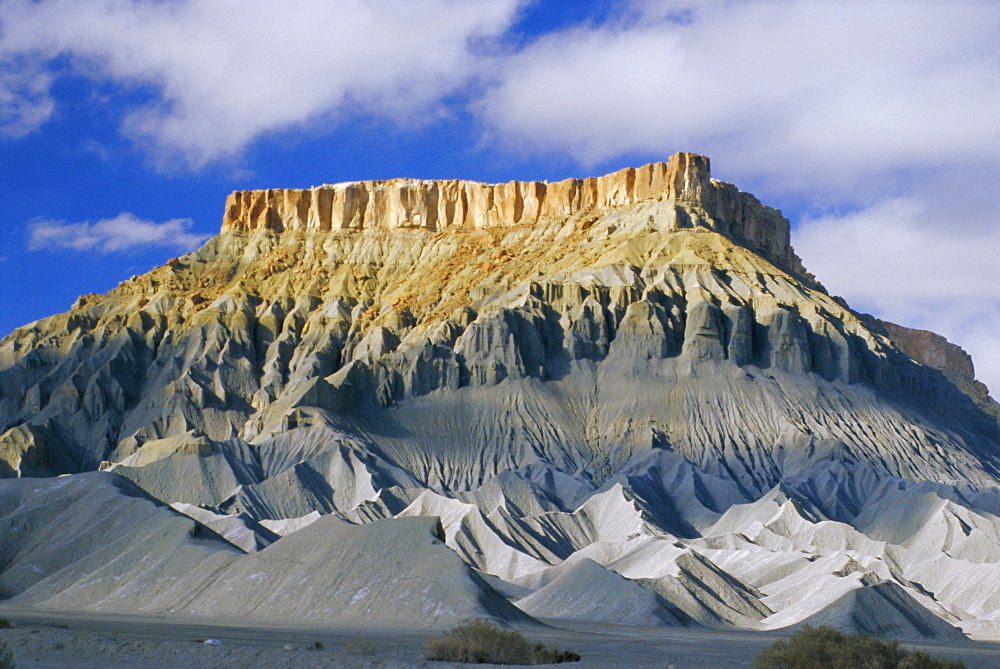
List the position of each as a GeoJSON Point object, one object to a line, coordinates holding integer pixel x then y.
{"type": "Point", "coordinates": [408, 403]}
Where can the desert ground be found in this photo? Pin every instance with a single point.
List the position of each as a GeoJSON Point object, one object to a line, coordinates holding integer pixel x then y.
{"type": "Point", "coordinates": [110, 642]}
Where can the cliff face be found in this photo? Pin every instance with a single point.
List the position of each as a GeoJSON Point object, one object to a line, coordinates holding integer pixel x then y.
{"type": "Point", "coordinates": [932, 350]}
{"type": "Point", "coordinates": [642, 286]}
{"type": "Point", "coordinates": [684, 183]}
{"type": "Point", "coordinates": [935, 351]}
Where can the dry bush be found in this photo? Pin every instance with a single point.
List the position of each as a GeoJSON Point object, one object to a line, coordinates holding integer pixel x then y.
{"type": "Point", "coordinates": [359, 646]}
{"type": "Point", "coordinates": [825, 647]}
{"type": "Point", "coordinates": [481, 641]}
{"type": "Point", "coordinates": [545, 655]}
{"type": "Point", "coordinates": [6, 657]}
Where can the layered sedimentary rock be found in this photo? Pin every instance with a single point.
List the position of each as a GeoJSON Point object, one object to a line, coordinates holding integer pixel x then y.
{"type": "Point", "coordinates": [932, 350]}
{"type": "Point", "coordinates": [935, 351]}
{"type": "Point", "coordinates": [434, 205]}
{"type": "Point", "coordinates": [628, 381]}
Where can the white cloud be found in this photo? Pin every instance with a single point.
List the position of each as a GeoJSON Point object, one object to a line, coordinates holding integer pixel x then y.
{"type": "Point", "coordinates": [124, 232]}
{"type": "Point", "coordinates": [811, 94]}
{"type": "Point", "coordinates": [903, 261]}
{"type": "Point", "coordinates": [24, 101]}
{"type": "Point", "coordinates": [817, 95]}
{"type": "Point", "coordinates": [224, 73]}
{"type": "Point", "coordinates": [896, 246]}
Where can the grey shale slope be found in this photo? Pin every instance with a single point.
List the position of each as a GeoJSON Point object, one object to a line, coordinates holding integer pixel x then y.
{"type": "Point", "coordinates": [616, 399]}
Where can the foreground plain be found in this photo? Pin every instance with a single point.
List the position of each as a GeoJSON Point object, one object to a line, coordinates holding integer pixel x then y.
{"type": "Point", "coordinates": [55, 639]}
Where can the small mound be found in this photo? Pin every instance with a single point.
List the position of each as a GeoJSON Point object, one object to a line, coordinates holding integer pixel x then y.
{"type": "Point", "coordinates": [587, 591]}
{"type": "Point", "coordinates": [883, 609]}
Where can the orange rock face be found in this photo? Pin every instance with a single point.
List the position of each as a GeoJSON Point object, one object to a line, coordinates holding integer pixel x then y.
{"type": "Point", "coordinates": [931, 349]}
{"type": "Point", "coordinates": [437, 204]}
{"type": "Point", "coordinates": [684, 182]}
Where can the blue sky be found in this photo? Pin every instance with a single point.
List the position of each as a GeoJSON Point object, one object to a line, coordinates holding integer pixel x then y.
{"type": "Point", "coordinates": [872, 125]}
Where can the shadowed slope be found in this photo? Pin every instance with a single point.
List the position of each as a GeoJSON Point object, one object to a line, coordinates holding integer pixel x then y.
{"type": "Point", "coordinates": [94, 542]}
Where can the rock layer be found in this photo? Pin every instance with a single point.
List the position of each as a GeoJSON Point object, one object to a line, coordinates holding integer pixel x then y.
{"type": "Point", "coordinates": [433, 205]}
{"type": "Point", "coordinates": [931, 349]}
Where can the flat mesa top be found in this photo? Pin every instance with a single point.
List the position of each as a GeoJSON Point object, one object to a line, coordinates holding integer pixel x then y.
{"type": "Point", "coordinates": [441, 203]}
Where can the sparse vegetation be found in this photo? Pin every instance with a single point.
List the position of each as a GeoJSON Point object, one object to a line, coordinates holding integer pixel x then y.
{"type": "Point", "coordinates": [826, 648]}
{"type": "Point", "coordinates": [359, 646]}
{"type": "Point", "coordinates": [6, 657]}
{"type": "Point", "coordinates": [481, 641]}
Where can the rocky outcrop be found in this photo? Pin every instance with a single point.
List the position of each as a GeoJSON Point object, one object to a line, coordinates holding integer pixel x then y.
{"type": "Point", "coordinates": [931, 349]}
{"type": "Point", "coordinates": [684, 182]}
{"type": "Point", "coordinates": [937, 352]}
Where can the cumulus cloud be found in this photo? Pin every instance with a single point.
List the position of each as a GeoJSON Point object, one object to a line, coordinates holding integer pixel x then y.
{"type": "Point", "coordinates": [811, 94]}
{"type": "Point", "coordinates": [24, 100]}
{"type": "Point", "coordinates": [124, 232]}
{"type": "Point", "coordinates": [894, 245]}
{"type": "Point", "coordinates": [900, 259]}
{"type": "Point", "coordinates": [223, 73]}
{"type": "Point", "coordinates": [821, 95]}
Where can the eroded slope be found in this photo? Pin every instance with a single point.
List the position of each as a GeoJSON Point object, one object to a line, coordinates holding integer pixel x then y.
{"type": "Point", "coordinates": [629, 381]}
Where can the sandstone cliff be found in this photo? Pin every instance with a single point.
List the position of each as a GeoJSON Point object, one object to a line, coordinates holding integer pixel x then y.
{"type": "Point", "coordinates": [935, 351]}
{"type": "Point", "coordinates": [931, 349]}
{"type": "Point", "coordinates": [684, 182]}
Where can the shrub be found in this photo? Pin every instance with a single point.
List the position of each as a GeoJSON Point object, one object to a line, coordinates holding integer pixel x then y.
{"type": "Point", "coordinates": [360, 646]}
{"type": "Point", "coordinates": [918, 659]}
{"type": "Point", "coordinates": [6, 657]}
{"type": "Point", "coordinates": [544, 655]}
{"type": "Point", "coordinates": [481, 641]}
{"type": "Point", "coordinates": [826, 648]}
{"type": "Point", "coordinates": [5, 624]}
